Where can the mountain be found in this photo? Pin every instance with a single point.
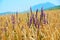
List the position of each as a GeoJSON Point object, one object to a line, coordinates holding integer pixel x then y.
{"type": "Point", "coordinates": [5, 13]}
{"type": "Point", "coordinates": [44, 5]}
{"type": "Point", "coordinates": [55, 7]}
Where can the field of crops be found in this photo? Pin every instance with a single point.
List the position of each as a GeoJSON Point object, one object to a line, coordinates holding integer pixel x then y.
{"type": "Point", "coordinates": [44, 25]}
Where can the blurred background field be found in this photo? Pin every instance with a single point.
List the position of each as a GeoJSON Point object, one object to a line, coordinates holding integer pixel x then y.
{"type": "Point", "coordinates": [19, 30]}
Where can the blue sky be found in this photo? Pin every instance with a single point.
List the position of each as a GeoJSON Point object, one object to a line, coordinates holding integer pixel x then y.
{"type": "Point", "coordinates": [21, 5]}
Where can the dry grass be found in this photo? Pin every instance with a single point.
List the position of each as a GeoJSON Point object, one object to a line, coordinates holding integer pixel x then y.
{"type": "Point", "coordinates": [21, 31]}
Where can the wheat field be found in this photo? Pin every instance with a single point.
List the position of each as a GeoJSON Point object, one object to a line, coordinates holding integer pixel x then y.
{"type": "Point", "coordinates": [15, 26]}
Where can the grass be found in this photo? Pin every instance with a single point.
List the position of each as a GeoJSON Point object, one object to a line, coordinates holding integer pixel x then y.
{"type": "Point", "coordinates": [48, 31]}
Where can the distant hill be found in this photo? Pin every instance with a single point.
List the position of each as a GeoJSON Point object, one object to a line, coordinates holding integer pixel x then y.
{"type": "Point", "coordinates": [44, 5]}
{"type": "Point", "coordinates": [53, 8]}
{"type": "Point", "coordinates": [5, 13]}
{"type": "Point", "coordinates": [49, 7]}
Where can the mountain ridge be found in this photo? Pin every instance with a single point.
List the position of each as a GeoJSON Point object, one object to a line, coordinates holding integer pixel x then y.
{"type": "Point", "coordinates": [44, 5]}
